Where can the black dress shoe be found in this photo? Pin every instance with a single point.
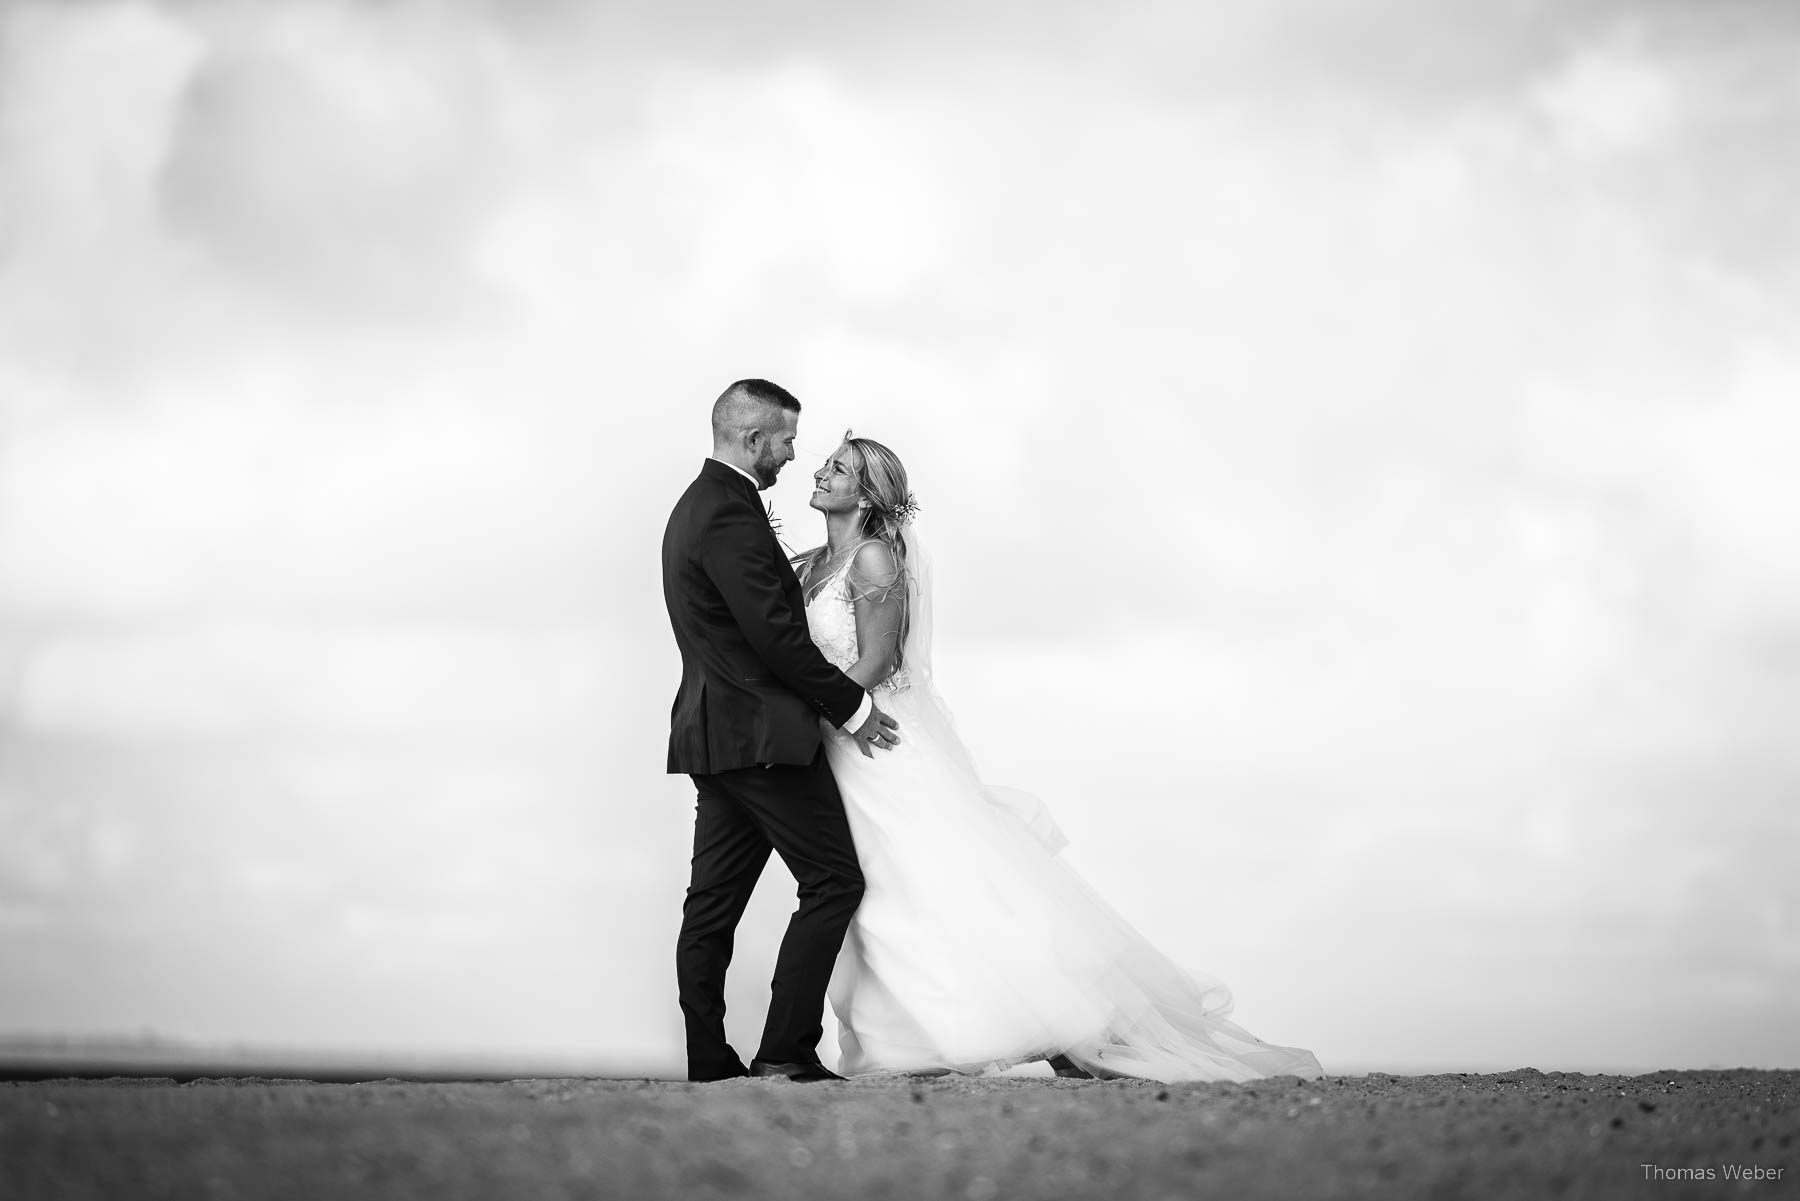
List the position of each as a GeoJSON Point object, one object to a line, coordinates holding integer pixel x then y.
{"type": "Point", "coordinates": [728, 1074]}
{"type": "Point", "coordinates": [800, 1073]}
{"type": "Point", "coordinates": [1068, 1069]}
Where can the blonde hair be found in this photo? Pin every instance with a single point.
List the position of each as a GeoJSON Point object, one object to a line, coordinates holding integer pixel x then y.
{"type": "Point", "coordinates": [881, 479]}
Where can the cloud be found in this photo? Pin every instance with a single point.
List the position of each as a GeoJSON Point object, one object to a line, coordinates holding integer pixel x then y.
{"type": "Point", "coordinates": [309, 155]}
{"type": "Point", "coordinates": [1363, 421]}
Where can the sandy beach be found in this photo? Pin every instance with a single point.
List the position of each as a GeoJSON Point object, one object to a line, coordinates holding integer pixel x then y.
{"type": "Point", "coordinates": [1524, 1134]}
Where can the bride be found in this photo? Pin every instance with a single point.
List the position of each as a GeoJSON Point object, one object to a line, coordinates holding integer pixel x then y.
{"type": "Point", "coordinates": [975, 946]}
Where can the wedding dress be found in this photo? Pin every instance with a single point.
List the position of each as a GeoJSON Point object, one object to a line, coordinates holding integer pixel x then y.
{"type": "Point", "coordinates": [975, 946]}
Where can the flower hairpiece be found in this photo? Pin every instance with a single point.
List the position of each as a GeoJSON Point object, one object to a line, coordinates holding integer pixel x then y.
{"type": "Point", "coordinates": [903, 513]}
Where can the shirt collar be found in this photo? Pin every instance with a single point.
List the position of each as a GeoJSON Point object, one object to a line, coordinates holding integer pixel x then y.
{"type": "Point", "coordinates": [753, 480]}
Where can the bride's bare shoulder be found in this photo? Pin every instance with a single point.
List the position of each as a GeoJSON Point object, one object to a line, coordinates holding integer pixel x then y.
{"type": "Point", "coordinates": [874, 573]}
{"type": "Point", "coordinates": [875, 561]}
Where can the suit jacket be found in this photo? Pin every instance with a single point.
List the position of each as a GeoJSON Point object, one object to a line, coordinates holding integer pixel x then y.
{"type": "Point", "coordinates": [753, 685]}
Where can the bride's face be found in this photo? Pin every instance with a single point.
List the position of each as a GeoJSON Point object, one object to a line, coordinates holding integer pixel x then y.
{"type": "Point", "coordinates": [835, 489]}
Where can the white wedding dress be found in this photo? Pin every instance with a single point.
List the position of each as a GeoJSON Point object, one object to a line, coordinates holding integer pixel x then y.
{"type": "Point", "coordinates": [976, 947]}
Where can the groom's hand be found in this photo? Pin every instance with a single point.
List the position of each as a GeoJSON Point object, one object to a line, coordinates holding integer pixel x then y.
{"type": "Point", "coordinates": [879, 730]}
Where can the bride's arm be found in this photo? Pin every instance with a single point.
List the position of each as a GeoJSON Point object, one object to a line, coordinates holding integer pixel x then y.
{"type": "Point", "coordinates": [879, 599]}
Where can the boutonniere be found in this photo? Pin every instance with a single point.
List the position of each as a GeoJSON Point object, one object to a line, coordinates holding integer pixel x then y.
{"type": "Point", "coordinates": [775, 528]}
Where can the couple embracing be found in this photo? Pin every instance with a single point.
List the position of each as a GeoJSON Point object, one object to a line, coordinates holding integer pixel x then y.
{"type": "Point", "coordinates": [934, 910]}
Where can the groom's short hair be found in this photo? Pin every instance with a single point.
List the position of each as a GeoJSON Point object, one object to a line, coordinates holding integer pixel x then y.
{"type": "Point", "coordinates": [741, 404]}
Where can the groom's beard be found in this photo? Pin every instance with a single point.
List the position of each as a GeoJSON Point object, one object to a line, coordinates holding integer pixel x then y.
{"type": "Point", "coordinates": [765, 471]}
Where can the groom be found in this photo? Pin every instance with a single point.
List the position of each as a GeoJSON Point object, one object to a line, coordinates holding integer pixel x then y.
{"type": "Point", "coordinates": [745, 728]}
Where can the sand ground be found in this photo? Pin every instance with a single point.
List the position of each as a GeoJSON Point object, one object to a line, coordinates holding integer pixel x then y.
{"type": "Point", "coordinates": [1524, 1134]}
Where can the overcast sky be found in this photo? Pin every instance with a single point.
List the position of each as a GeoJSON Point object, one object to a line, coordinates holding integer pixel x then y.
{"type": "Point", "coordinates": [1358, 442]}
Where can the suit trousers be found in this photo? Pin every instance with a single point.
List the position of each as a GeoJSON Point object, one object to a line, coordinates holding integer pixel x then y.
{"type": "Point", "coordinates": [739, 817]}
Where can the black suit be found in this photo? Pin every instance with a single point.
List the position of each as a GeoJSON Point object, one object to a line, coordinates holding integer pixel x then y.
{"type": "Point", "coordinates": [745, 726]}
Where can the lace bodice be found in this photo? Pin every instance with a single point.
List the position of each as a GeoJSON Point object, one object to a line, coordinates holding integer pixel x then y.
{"type": "Point", "coordinates": [831, 618]}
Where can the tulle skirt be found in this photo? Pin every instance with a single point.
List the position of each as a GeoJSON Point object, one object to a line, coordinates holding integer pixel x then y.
{"type": "Point", "coordinates": [976, 947]}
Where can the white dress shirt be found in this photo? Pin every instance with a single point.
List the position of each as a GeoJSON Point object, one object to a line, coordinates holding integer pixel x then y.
{"type": "Point", "coordinates": [868, 702]}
